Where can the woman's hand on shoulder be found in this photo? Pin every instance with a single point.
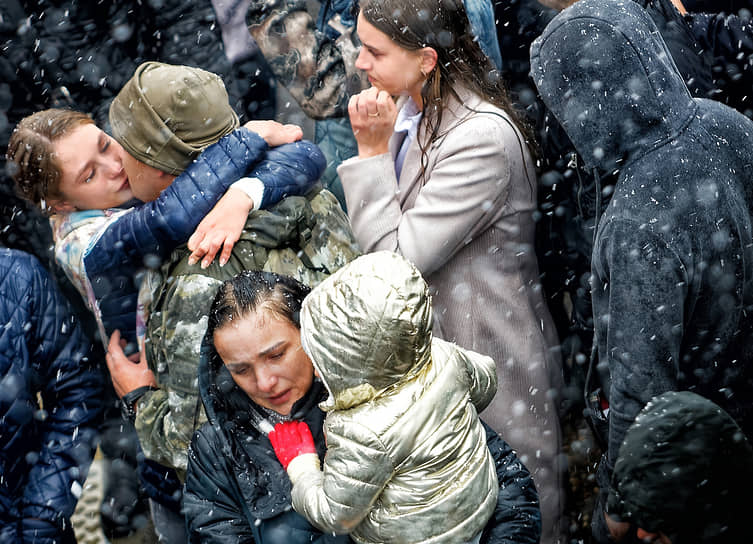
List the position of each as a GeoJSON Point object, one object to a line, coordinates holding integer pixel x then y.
{"type": "Point", "coordinates": [372, 116]}
{"type": "Point", "coordinates": [275, 133]}
{"type": "Point", "coordinates": [220, 228]}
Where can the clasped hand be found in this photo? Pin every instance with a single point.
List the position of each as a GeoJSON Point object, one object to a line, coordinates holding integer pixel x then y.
{"type": "Point", "coordinates": [291, 439]}
{"type": "Point", "coordinates": [127, 372]}
{"type": "Point", "coordinates": [372, 116]}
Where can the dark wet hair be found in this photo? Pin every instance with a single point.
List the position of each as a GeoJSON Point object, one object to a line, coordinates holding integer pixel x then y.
{"type": "Point", "coordinates": [254, 290]}
{"type": "Point", "coordinates": [443, 25]}
{"type": "Point", "coordinates": [31, 158]}
{"type": "Point", "coordinates": [246, 293]}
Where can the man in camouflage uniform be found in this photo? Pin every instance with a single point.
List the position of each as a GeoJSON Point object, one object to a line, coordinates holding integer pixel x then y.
{"type": "Point", "coordinates": [304, 237]}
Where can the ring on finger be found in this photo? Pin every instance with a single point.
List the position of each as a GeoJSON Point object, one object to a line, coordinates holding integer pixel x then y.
{"type": "Point", "coordinates": [374, 114]}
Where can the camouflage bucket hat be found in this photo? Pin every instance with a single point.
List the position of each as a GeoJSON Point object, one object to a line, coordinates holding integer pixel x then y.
{"type": "Point", "coordinates": [165, 115]}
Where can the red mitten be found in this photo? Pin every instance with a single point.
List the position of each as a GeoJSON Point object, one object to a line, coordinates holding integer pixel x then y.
{"type": "Point", "coordinates": [291, 439]}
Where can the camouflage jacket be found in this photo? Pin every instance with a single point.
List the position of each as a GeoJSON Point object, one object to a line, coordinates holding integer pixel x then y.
{"type": "Point", "coordinates": [304, 237]}
{"type": "Point", "coordinates": [314, 60]}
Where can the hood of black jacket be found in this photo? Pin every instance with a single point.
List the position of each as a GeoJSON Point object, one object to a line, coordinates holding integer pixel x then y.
{"type": "Point", "coordinates": [604, 71]}
{"type": "Point", "coordinates": [685, 468]}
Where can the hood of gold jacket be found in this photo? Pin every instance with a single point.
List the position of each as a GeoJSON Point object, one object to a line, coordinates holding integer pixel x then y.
{"type": "Point", "coordinates": [367, 327]}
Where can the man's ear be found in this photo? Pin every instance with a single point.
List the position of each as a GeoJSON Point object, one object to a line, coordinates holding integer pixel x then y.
{"type": "Point", "coordinates": [428, 60]}
{"type": "Point", "coordinates": [166, 179]}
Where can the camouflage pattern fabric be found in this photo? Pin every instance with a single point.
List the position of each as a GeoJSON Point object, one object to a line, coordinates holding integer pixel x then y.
{"type": "Point", "coordinates": [318, 70]}
{"type": "Point", "coordinates": [304, 237]}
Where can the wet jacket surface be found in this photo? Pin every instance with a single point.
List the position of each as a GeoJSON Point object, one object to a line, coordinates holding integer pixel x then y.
{"type": "Point", "coordinates": [307, 237]}
{"type": "Point", "coordinates": [45, 453]}
{"type": "Point", "coordinates": [404, 401]}
{"type": "Point", "coordinates": [729, 40]}
{"type": "Point", "coordinates": [713, 54]}
{"type": "Point", "coordinates": [685, 468]}
{"type": "Point", "coordinates": [672, 256]}
{"type": "Point", "coordinates": [237, 491]}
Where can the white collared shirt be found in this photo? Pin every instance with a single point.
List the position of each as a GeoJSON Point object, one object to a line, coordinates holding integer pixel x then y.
{"type": "Point", "coordinates": [408, 119]}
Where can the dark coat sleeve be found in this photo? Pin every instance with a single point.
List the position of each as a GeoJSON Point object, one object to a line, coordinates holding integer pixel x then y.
{"type": "Point", "coordinates": [71, 391]}
{"type": "Point", "coordinates": [215, 509]}
{"type": "Point", "coordinates": [638, 300]}
{"type": "Point", "coordinates": [517, 518]}
{"type": "Point", "coordinates": [211, 500]}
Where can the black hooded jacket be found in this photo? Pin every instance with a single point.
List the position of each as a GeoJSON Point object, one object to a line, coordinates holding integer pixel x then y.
{"type": "Point", "coordinates": [567, 203]}
{"type": "Point", "coordinates": [672, 259]}
{"type": "Point", "coordinates": [685, 469]}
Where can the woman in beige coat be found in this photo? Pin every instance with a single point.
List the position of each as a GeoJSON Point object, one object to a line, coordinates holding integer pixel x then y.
{"type": "Point", "coordinates": [444, 177]}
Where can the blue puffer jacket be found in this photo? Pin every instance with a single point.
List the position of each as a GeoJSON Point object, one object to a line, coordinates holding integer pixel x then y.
{"type": "Point", "coordinates": [156, 228]}
{"type": "Point", "coordinates": [45, 452]}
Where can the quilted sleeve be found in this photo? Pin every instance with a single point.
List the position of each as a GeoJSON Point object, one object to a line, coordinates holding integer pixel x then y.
{"type": "Point", "coordinates": [71, 390]}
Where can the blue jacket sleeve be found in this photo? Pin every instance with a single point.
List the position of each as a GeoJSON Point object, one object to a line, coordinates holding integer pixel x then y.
{"type": "Point", "coordinates": [517, 518]}
{"type": "Point", "coordinates": [113, 260]}
{"type": "Point", "coordinates": [71, 387]}
{"type": "Point", "coordinates": [158, 227]}
{"type": "Point", "coordinates": [289, 170]}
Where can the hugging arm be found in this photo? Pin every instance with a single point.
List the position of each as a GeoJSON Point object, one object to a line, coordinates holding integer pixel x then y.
{"type": "Point", "coordinates": [157, 228]}
{"type": "Point", "coordinates": [335, 500]}
{"type": "Point", "coordinates": [289, 169]}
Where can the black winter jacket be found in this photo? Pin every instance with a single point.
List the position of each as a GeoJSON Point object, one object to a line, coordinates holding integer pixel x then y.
{"type": "Point", "coordinates": [237, 491]}
{"type": "Point", "coordinates": [704, 48]}
{"type": "Point", "coordinates": [728, 40]}
{"type": "Point", "coordinates": [46, 451]}
{"type": "Point", "coordinates": [674, 249]}
{"type": "Point", "coordinates": [685, 469]}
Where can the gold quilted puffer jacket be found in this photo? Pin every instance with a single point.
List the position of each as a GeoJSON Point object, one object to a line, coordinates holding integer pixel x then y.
{"type": "Point", "coordinates": [406, 458]}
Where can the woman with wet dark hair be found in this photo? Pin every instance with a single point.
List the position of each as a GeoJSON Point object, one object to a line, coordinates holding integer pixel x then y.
{"type": "Point", "coordinates": [255, 374]}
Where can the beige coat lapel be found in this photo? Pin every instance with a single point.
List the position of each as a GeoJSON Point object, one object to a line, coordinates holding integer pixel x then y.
{"type": "Point", "coordinates": [409, 183]}
{"type": "Point", "coordinates": [407, 186]}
